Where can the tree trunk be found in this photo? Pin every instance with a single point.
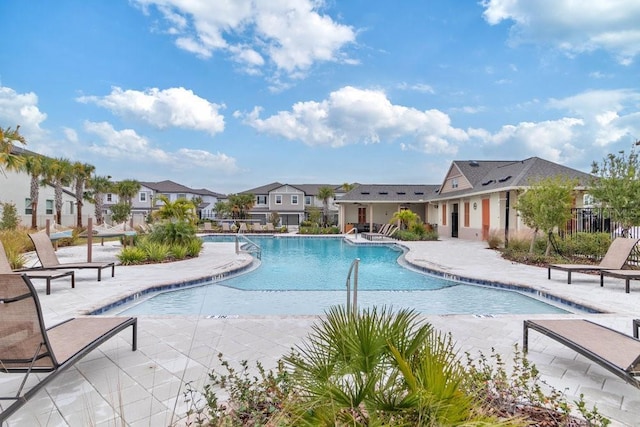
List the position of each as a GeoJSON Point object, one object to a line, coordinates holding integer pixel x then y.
{"type": "Point", "coordinates": [533, 241]}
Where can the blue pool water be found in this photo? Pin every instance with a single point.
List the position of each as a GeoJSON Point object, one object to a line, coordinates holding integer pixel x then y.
{"type": "Point", "coordinates": [307, 275]}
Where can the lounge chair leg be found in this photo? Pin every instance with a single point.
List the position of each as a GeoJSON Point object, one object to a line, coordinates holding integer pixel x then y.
{"type": "Point", "coordinates": [548, 273]}
{"type": "Point", "coordinates": [48, 285]}
{"type": "Point", "coordinates": [626, 285]}
{"type": "Point", "coordinates": [113, 270]}
{"type": "Point", "coordinates": [134, 341]}
{"type": "Point", "coordinates": [525, 338]}
{"type": "Point", "coordinates": [601, 280]}
{"type": "Point", "coordinates": [99, 274]}
{"type": "Point", "coordinates": [73, 279]}
{"type": "Point", "coordinates": [568, 278]}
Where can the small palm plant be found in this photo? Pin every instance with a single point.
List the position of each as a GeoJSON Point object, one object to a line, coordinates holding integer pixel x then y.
{"type": "Point", "coordinates": [377, 367]}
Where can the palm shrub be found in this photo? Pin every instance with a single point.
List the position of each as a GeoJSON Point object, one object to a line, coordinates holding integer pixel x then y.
{"type": "Point", "coordinates": [155, 251]}
{"type": "Point", "coordinates": [377, 367]}
{"type": "Point", "coordinates": [15, 243]}
{"type": "Point", "coordinates": [179, 232]}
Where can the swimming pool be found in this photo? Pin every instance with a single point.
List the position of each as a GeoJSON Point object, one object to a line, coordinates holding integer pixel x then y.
{"type": "Point", "coordinates": [305, 276]}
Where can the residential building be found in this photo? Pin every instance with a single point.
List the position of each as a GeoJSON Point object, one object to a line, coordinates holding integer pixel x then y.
{"type": "Point", "coordinates": [291, 202]}
{"type": "Point", "coordinates": [15, 188]}
{"type": "Point", "coordinates": [474, 198]}
{"type": "Point", "coordinates": [146, 201]}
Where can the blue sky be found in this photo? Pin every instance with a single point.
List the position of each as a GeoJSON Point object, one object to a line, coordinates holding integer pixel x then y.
{"type": "Point", "coordinates": [230, 95]}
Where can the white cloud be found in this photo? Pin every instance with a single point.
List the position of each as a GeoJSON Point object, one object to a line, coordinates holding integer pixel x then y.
{"type": "Point", "coordinates": [127, 145]}
{"type": "Point", "coordinates": [177, 107]}
{"type": "Point", "coordinates": [553, 140]}
{"type": "Point", "coordinates": [292, 34]}
{"type": "Point", "coordinates": [21, 109]}
{"type": "Point", "coordinates": [352, 115]}
{"type": "Point", "coordinates": [610, 115]}
{"type": "Point", "coordinates": [572, 26]}
{"type": "Point", "coordinates": [418, 87]}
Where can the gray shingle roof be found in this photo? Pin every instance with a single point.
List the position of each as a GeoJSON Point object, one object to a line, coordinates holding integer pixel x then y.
{"type": "Point", "coordinates": [390, 193]}
{"type": "Point", "coordinates": [491, 176]}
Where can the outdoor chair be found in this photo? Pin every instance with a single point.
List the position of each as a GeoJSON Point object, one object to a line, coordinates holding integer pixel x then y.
{"type": "Point", "coordinates": [48, 275]}
{"type": "Point", "coordinates": [614, 259]}
{"type": "Point", "coordinates": [49, 260]}
{"type": "Point", "coordinates": [627, 275]}
{"type": "Point", "coordinates": [381, 234]}
{"type": "Point", "coordinates": [617, 352]}
{"type": "Point", "coordinates": [26, 346]}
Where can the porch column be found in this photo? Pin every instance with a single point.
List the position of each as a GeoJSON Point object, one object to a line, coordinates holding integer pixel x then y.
{"type": "Point", "coordinates": [371, 218]}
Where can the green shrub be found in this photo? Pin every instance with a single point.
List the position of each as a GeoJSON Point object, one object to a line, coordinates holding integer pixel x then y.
{"type": "Point", "coordinates": [155, 251]}
{"type": "Point", "coordinates": [194, 246]}
{"type": "Point", "coordinates": [179, 252]}
{"type": "Point", "coordinates": [9, 219]}
{"type": "Point", "coordinates": [180, 232]}
{"type": "Point", "coordinates": [132, 255]}
{"type": "Point", "coordinates": [410, 236]}
{"type": "Point", "coordinates": [315, 229]}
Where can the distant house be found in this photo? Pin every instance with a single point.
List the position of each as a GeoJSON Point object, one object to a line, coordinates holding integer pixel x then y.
{"type": "Point", "coordinates": [291, 202]}
{"type": "Point", "coordinates": [474, 198]}
{"type": "Point", "coordinates": [146, 200]}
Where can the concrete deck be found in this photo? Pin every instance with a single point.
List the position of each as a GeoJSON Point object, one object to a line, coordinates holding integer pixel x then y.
{"type": "Point", "coordinates": [115, 386]}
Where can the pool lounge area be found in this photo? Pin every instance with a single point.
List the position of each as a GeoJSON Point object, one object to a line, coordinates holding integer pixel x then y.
{"type": "Point", "coordinates": [114, 386]}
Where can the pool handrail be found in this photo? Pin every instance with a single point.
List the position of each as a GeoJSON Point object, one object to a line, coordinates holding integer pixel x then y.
{"type": "Point", "coordinates": [353, 269]}
{"type": "Point", "coordinates": [252, 247]}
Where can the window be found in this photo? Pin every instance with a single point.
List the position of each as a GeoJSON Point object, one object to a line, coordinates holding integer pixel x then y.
{"type": "Point", "coordinates": [294, 199]}
{"type": "Point", "coordinates": [308, 200]}
{"type": "Point", "coordinates": [109, 197]}
{"type": "Point", "coordinates": [71, 204]}
{"type": "Point", "coordinates": [454, 183]}
{"type": "Point", "coordinates": [278, 199]}
{"type": "Point", "coordinates": [261, 200]}
{"type": "Point", "coordinates": [142, 196]}
{"type": "Point", "coordinates": [182, 196]}
{"type": "Point", "coordinates": [27, 207]}
{"type": "Point", "coordinates": [466, 214]}
{"type": "Point", "coordinates": [49, 207]}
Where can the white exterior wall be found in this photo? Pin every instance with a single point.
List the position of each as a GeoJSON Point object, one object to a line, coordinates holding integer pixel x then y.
{"type": "Point", "coordinates": [15, 188]}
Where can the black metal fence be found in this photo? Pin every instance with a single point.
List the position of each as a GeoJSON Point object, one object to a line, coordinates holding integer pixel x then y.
{"type": "Point", "coordinates": [598, 220]}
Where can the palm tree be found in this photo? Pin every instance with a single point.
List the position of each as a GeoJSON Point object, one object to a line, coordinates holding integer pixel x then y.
{"type": "Point", "coordinates": [99, 186]}
{"type": "Point", "coordinates": [240, 205]}
{"type": "Point", "coordinates": [81, 174]}
{"type": "Point", "coordinates": [406, 217]}
{"type": "Point", "coordinates": [126, 190]}
{"type": "Point", "coordinates": [348, 187]}
{"type": "Point", "coordinates": [324, 194]}
{"type": "Point", "coordinates": [179, 210]}
{"type": "Point", "coordinates": [61, 173]}
{"type": "Point", "coordinates": [35, 166]}
{"type": "Point", "coordinates": [8, 159]}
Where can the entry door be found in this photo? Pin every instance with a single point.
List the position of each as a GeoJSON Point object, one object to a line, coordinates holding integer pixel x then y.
{"type": "Point", "coordinates": [362, 215]}
{"type": "Point", "coordinates": [485, 219]}
{"type": "Point", "coordinates": [454, 220]}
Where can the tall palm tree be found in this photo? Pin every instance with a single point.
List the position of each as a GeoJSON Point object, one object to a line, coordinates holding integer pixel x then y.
{"type": "Point", "coordinates": [126, 190]}
{"type": "Point", "coordinates": [179, 210]}
{"type": "Point", "coordinates": [8, 159]}
{"type": "Point", "coordinates": [61, 174]}
{"type": "Point", "coordinates": [36, 166]}
{"type": "Point", "coordinates": [81, 174]}
{"type": "Point", "coordinates": [98, 186]}
{"type": "Point", "coordinates": [240, 205]}
{"type": "Point", "coordinates": [324, 194]}
{"type": "Point", "coordinates": [348, 187]}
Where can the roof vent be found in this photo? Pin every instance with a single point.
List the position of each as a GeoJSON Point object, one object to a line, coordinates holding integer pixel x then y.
{"type": "Point", "coordinates": [365, 192]}
{"type": "Point", "coordinates": [401, 193]}
{"type": "Point", "coordinates": [419, 193]}
{"type": "Point", "coordinates": [383, 192]}
{"type": "Point", "coordinates": [474, 163]}
{"type": "Point", "coordinates": [505, 178]}
{"type": "Point", "coordinates": [491, 181]}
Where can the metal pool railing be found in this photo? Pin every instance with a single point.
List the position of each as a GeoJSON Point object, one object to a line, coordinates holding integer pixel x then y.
{"type": "Point", "coordinates": [249, 246]}
{"type": "Point", "coordinates": [353, 301]}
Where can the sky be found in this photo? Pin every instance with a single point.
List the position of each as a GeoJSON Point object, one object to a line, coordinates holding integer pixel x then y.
{"type": "Point", "coordinates": [231, 95]}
